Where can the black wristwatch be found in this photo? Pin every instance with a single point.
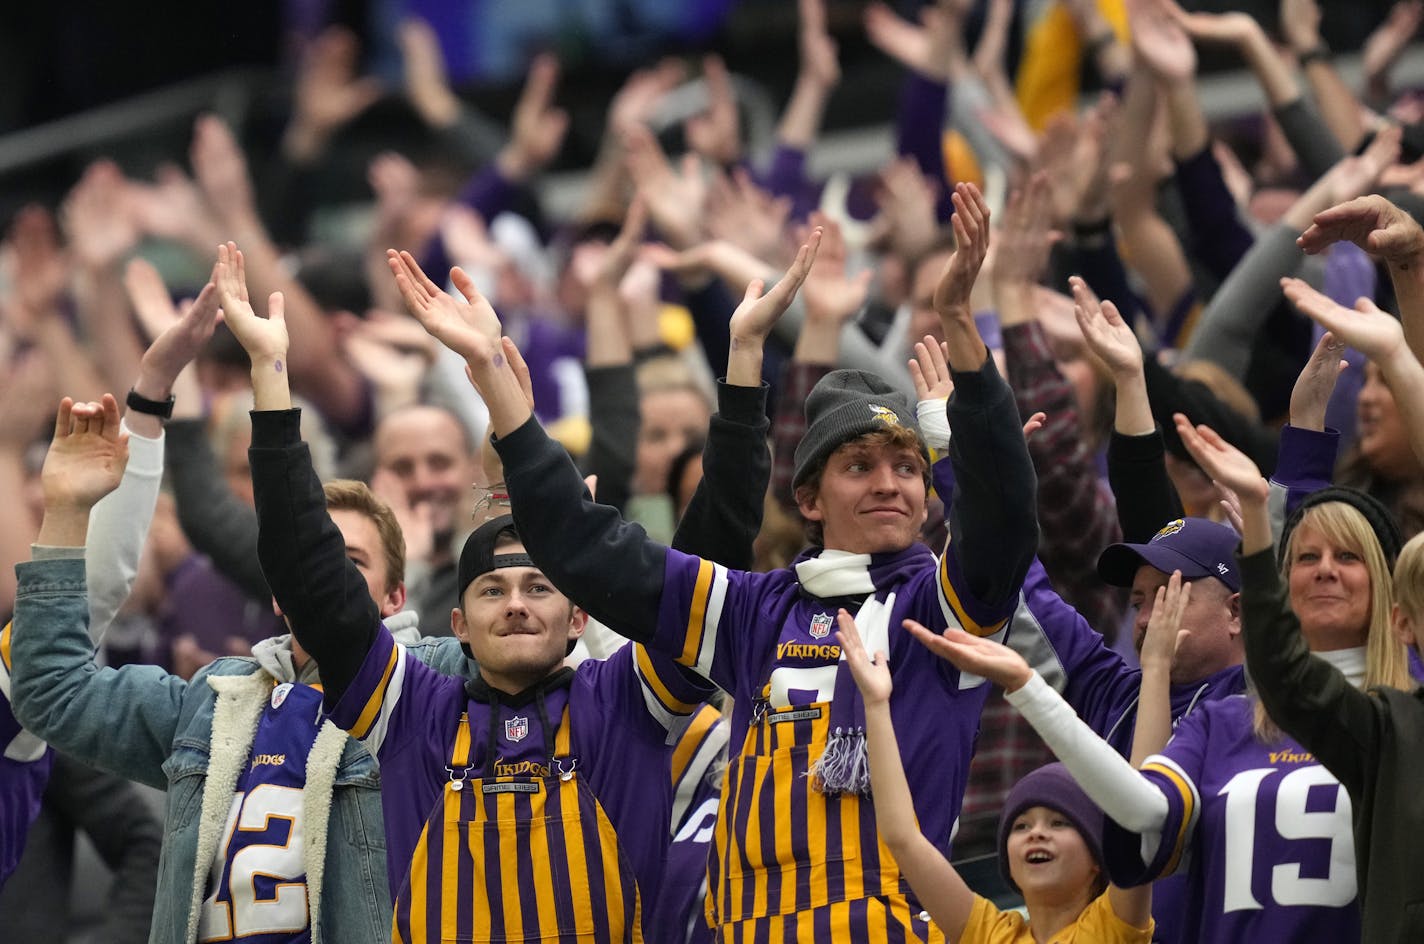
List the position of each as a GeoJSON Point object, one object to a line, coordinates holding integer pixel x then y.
{"type": "Point", "coordinates": [1317, 53]}
{"type": "Point", "coordinates": [163, 409]}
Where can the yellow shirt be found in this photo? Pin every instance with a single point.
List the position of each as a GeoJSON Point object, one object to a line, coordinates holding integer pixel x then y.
{"type": "Point", "coordinates": [1098, 924]}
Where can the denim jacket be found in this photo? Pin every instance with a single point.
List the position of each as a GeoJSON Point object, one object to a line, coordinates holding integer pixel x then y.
{"type": "Point", "coordinates": [147, 725]}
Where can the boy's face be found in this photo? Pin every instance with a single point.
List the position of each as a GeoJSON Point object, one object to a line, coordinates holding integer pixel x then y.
{"type": "Point", "coordinates": [1047, 855]}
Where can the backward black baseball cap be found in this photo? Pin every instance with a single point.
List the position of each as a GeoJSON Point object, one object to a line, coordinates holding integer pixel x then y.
{"type": "Point", "coordinates": [478, 557]}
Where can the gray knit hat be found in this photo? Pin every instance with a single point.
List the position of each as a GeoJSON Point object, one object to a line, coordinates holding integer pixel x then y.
{"type": "Point", "coordinates": [846, 404]}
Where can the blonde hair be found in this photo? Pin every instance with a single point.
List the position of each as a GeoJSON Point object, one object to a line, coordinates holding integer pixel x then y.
{"type": "Point", "coordinates": [1409, 578]}
{"type": "Point", "coordinates": [1386, 662]}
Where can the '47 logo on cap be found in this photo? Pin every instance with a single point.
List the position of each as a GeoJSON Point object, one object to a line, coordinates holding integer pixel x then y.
{"type": "Point", "coordinates": [820, 626]}
{"type": "Point", "coordinates": [516, 728]}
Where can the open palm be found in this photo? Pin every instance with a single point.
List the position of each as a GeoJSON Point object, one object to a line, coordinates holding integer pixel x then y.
{"type": "Point", "coordinates": [470, 328]}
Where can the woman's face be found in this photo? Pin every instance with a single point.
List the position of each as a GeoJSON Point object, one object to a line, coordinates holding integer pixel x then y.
{"type": "Point", "coordinates": [1329, 591]}
{"type": "Point", "coordinates": [1384, 441]}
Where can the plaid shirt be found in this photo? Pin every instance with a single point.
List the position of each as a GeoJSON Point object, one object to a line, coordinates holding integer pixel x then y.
{"type": "Point", "coordinates": [1007, 750]}
{"type": "Point", "coordinates": [1075, 507]}
{"type": "Point", "coordinates": [789, 425]}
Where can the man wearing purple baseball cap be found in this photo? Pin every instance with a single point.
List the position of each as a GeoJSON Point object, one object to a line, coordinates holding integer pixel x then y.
{"type": "Point", "coordinates": [1198, 548]}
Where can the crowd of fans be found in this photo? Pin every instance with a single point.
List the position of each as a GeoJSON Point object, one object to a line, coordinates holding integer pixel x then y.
{"type": "Point", "coordinates": [1209, 339]}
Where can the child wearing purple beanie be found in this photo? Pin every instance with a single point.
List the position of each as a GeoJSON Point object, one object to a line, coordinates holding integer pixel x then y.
{"type": "Point", "coordinates": [1050, 844]}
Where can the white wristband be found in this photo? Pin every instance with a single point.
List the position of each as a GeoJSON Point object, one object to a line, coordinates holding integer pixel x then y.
{"type": "Point", "coordinates": [934, 423]}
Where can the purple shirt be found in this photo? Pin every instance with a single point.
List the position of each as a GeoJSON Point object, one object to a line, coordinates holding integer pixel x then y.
{"type": "Point", "coordinates": [621, 710]}
{"type": "Point", "coordinates": [1262, 831]}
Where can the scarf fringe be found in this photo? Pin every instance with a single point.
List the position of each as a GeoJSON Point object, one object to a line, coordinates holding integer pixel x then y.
{"type": "Point", "coordinates": [844, 767]}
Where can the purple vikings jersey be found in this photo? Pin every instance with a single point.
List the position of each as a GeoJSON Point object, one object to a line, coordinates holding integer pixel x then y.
{"type": "Point", "coordinates": [257, 887]}
{"type": "Point", "coordinates": [783, 846]}
{"type": "Point", "coordinates": [1262, 831]}
{"type": "Point", "coordinates": [24, 770]}
{"type": "Point", "coordinates": [624, 711]}
{"type": "Point", "coordinates": [679, 914]}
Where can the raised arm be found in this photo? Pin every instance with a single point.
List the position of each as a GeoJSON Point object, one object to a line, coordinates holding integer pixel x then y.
{"type": "Point", "coordinates": [318, 589]}
{"type": "Point", "coordinates": [330, 380]}
{"type": "Point", "coordinates": [1383, 229]}
{"type": "Point", "coordinates": [1378, 336]}
{"type": "Point", "coordinates": [1108, 780]}
{"type": "Point", "coordinates": [992, 516]}
{"type": "Point", "coordinates": [1342, 111]}
{"type": "Point", "coordinates": [1310, 699]}
{"type": "Point", "coordinates": [935, 881]}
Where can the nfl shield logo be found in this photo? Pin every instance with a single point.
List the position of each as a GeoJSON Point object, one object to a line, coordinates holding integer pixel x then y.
{"type": "Point", "coordinates": [516, 728]}
{"type": "Point", "coordinates": [820, 626]}
{"type": "Point", "coordinates": [279, 694]}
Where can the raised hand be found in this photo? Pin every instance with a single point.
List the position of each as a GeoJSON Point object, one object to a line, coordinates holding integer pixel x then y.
{"type": "Point", "coordinates": [818, 59]}
{"type": "Point", "coordinates": [264, 339]}
{"type": "Point", "coordinates": [98, 217]}
{"type": "Point", "coordinates": [1026, 237]}
{"type": "Point", "coordinates": [1160, 42]}
{"type": "Point", "coordinates": [426, 83]}
{"type": "Point", "coordinates": [740, 212]}
{"type": "Point", "coordinates": [929, 370]}
{"type": "Point", "coordinates": [1223, 462]}
{"type": "Point", "coordinates": [26, 387]}
{"type": "Point", "coordinates": [1105, 331]}
{"type": "Point", "coordinates": [623, 251]}
{"type": "Point", "coordinates": [1316, 383]}
{"type": "Point", "coordinates": [716, 133]}
{"type": "Point", "coordinates": [832, 296]}
{"type": "Point", "coordinates": [328, 93]}
{"type": "Point", "coordinates": [177, 339]}
{"type": "Point", "coordinates": [221, 169]}
{"type": "Point", "coordinates": [1374, 333]}
{"type": "Point", "coordinates": [923, 49]}
{"type": "Point", "coordinates": [1164, 626]}
{"type": "Point", "coordinates": [173, 208]}
{"type": "Point", "coordinates": [39, 270]}
{"type": "Point", "coordinates": [982, 657]}
{"type": "Point", "coordinates": [1358, 174]}
{"type": "Point", "coordinates": [1300, 24]}
{"type": "Point", "coordinates": [1233, 28]}
{"type": "Point", "coordinates": [758, 313]}
{"type": "Point", "coordinates": [675, 199]}
{"type": "Point", "coordinates": [470, 328]}
{"type": "Point", "coordinates": [537, 129]}
{"type": "Point", "coordinates": [871, 672]}
{"type": "Point", "coordinates": [1390, 38]}
{"type": "Point", "coordinates": [86, 459]}
{"type": "Point", "coordinates": [906, 197]}
{"type": "Point", "coordinates": [1370, 222]}
{"type": "Point", "coordinates": [634, 104]}
{"type": "Point", "coordinates": [971, 245]}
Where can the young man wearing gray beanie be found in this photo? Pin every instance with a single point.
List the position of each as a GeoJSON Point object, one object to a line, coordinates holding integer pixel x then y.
{"type": "Point", "coordinates": [796, 851]}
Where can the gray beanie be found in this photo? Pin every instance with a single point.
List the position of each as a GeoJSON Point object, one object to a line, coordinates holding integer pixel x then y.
{"type": "Point", "coordinates": [844, 405]}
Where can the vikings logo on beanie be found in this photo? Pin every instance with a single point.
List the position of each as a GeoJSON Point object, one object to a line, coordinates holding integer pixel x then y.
{"type": "Point", "coordinates": [844, 405]}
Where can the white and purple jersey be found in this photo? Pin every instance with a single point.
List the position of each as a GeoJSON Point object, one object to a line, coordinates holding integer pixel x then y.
{"type": "Point", "coordinates": [1262, 832]}
{"type": "Point", "coordinates": [257, 885]}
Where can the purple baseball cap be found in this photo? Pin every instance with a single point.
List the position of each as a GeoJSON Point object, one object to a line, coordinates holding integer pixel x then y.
{"type": "Point", "coordinates": [1195, 546]}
